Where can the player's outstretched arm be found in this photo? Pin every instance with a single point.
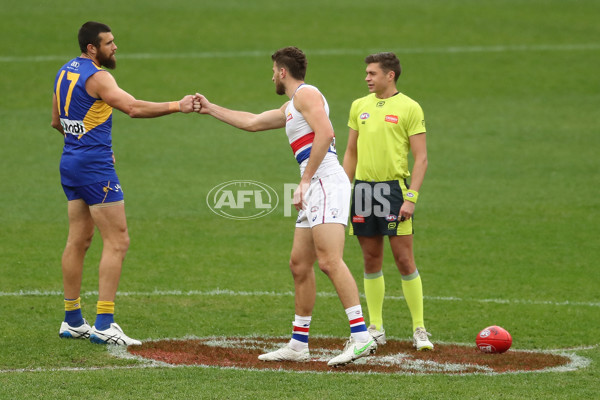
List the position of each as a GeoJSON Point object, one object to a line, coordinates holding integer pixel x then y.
{"type": "Point", "coordinates": [104, 86]}
{"type": "Point", "coordinates": [247, 121]}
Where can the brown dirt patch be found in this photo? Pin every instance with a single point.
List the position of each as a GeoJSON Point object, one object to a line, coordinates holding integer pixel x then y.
{"type": "Point", "coordinates": [394, 357]}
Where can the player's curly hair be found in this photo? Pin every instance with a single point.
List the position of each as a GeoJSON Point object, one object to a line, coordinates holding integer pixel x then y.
{"type": "Point", "coordinates": [89, 33]}
{"type": "Point", "coordinates": [387, 61]}
{"type": "Point", "coordinates": [292, 59]}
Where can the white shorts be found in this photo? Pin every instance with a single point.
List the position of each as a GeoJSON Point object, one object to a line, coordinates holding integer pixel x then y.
{"type": "Point", "coordinates": [326, 201]}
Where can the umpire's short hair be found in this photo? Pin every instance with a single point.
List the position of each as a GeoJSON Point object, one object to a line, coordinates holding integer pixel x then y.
{"type": "Point", "coordinates": [387, 61]}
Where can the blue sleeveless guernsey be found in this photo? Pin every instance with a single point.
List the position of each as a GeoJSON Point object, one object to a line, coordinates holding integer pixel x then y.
{"type": "Point", "coordinates": [87, 122]}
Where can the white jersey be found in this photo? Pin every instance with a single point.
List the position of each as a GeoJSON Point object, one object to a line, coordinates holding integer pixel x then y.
{"type": "Point", "coordinates": [301, 136]}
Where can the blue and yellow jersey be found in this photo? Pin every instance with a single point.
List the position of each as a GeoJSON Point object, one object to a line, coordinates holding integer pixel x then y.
{"type": "Point", "coordinates": [384, 127]}
{"type": "Point", "coordinates": [87, 122]}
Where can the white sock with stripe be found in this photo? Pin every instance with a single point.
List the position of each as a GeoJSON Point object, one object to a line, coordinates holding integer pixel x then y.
{"type": "Point", "coordinates": [300, 328]}
{"type": "Point", "coordinates": [358, 329]}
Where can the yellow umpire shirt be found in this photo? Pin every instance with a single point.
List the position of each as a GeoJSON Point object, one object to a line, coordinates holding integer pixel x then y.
{"type": "Point", "coordinates": [384, 127]}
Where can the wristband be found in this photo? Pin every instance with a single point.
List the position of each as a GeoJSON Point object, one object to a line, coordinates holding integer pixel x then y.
{"type": "Point", "coordinates": [174, 106]}
{"type": "Point", "coordinates": [411, 195]}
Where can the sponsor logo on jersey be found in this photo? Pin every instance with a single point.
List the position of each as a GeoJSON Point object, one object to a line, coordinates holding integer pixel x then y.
{"type": "Point", "coordinates": [75, 64]}
{"type": "Point", "coordinates": [364, 115]}
{"type": "Point", "coordinates": [73, 127]}
{"type": "Point", "coordinates": [289, 117]}
{"type": "Point", "coordinates": [391, 118]}
{"type": "Point", "coordinates": [380, 104]}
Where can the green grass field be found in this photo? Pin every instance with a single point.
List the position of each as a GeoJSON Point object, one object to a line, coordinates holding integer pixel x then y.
{"type": "Point", "coordinates": [507, 226]}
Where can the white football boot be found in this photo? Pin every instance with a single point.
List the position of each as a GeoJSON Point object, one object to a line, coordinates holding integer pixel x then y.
{"type": "Point", "coordinates": [421, 340]}
{"type": "Point", "coordinates": [78, 332]}
{"type": "Point", "coordinates": [352, 351]}
{"type": "Point", "coordinates": [379, 336]}
{"type": "Point", "coordinates": [286, 353]}
{"type": "Point", "coordinates": [113, 335]}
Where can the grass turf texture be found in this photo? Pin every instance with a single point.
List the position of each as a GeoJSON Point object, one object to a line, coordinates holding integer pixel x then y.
{"type": "Point", "coordinates": [509, 209]}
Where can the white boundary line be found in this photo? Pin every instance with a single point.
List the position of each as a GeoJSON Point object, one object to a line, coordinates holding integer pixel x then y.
{"type": "Point", "coordinates": [326, 52]}
{"type": "Point", "coordinates": [227, 292]}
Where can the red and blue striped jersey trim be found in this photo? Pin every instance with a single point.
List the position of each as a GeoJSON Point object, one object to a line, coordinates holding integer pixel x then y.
{"type": "Point", "coordinates": [302, 147]}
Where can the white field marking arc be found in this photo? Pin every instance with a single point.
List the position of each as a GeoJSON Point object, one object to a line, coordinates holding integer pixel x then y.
{"type": "Point", "coordinates": [326, 52]}
{"type": "Point", "coordinates": [227, 292]}
{"type": "Point", "coordinates": [576, 361]}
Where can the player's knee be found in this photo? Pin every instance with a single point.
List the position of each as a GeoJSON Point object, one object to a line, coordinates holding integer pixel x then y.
{"type": "Point", "coordinates": [124, 243]}
{"type": "Point", "coordinates": [373, 260]}
{"type": "Point", "coordinates": [329, 265]}
{"type": "Point", "coordinates": [298, 268]}
{"type": "Point", "coordinates": [119, 244]}
{"type": "Point", "coordinates": [86, 241]}
{"type": "Point", "coordinates": [405, 264]}
{"type": "Point", "coordinates": [295, 264]}
{"type": "Point", "coordinates": [81, 242]}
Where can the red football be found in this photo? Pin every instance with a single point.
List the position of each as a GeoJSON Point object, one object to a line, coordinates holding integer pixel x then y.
{"type": "Point", "coordinates": [493, 339]}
